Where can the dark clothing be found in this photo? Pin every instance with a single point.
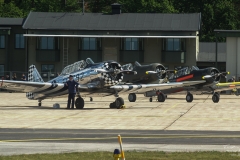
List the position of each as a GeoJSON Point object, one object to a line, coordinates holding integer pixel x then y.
{"type": "Point", "coordinates": [23, 78]}
{"type": "Point", "coordinates": [71, 98]}
{"type": "Point", "coordinates": [72, 85]}
{"type": "Point", "coordinates": [7, 78]}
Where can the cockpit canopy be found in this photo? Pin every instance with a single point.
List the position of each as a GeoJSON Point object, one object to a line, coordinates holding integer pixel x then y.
{"type": "Point", "coordinates": [76, 66]}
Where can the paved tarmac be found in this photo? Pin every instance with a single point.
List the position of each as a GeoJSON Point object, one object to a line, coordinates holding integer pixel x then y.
{"type": "Point", "coordinates": [174, 125]}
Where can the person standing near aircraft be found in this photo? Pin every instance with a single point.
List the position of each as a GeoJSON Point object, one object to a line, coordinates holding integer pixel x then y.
{"type": "Point", "coordinates": [72, 86]}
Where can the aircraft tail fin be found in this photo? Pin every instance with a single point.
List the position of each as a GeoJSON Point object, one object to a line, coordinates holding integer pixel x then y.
{"type": "Point", "coordinates": [33, 75]}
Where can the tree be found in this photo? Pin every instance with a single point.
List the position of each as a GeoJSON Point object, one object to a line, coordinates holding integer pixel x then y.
{"type": "Point", "coordinates": [10, 10]}
{"type": "Point", "coordinates": [216, 14]}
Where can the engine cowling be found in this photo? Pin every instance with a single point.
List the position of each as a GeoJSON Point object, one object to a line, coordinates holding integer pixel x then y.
{"type": "Point", "coordinates": [113, 75]}
{"type": "Point", "coordinates": [161, 71]}
{"type": "Point", "coordinates": [215, 74]}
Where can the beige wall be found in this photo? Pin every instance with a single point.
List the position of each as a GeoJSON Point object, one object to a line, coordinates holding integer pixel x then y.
{"type": "Point", "coordinates": [233, 56]}
{"type": "Point", "coordinates": [191, 51]}
{"type": "Point", "coordinates": [110, 49]}
{"type": "Point", "coordinates": [152, 50]}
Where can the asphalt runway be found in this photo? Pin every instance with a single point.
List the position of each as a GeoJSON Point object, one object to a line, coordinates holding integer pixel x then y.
{"type": "Point", "coordinates": [128, 136]}
{"type": "Point", "coordinates": [174, 125]}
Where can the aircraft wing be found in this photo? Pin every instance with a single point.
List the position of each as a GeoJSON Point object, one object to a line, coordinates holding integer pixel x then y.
{"type": "Point", "coordinates": [26, 86]}
{"type": "Point", "coordinates": [141, 88]}
{"type": "Point", "coordinates": [226, 86]}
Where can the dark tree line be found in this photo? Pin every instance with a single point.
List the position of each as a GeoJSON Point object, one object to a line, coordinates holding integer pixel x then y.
{"type": "Point", "coordinates": [216, 14]}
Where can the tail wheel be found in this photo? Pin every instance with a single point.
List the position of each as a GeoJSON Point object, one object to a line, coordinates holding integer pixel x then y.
{"type": "Point", "coordinates": [132, 97]}
{"type": "Point", "coordinates": [161, 97]}
{"type": "Point", "coordinates": [79, 103]}
{"type": "Point", "coordinates": [119, 102]}
{"type": "Point", "coordinates": [215, 98]}
{"type": "Point", "coordinates": [189, 97]}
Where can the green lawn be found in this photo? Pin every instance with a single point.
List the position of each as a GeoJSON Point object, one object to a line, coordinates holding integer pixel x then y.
{"type": "Point", "coordinates": [129, 156]}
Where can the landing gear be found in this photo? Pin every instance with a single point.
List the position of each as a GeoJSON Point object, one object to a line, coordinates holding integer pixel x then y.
{"type": "Point", "coordinates": [161, 97]}
{"type": "Point", "coordinates": [91, 99]}
{"type": "Point", "coordinates": [216, 97]}
{"type": "Point", "coordinates": [132, 97]}
{"type": "Point", "coordinates": [119, 103]}
{"type": "Point", "coordinates": [189, 97]}
{"type": "Point", "coordinates": [150, 99]}
{"type": "Point", "coordinates": [39, 103]}
{"type": "Point", "coordinates": [79, 103]}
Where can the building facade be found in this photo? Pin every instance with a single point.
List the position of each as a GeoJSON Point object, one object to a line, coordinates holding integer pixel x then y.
{"type": "Point", "coordinates": [55, 40]}
{"type": "Point", "coordinates": [233, 51]}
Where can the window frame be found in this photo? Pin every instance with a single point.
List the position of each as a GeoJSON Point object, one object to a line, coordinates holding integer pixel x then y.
{"type": "Point", "coordinates": [4, 46]}
{"type": "Point", "coordinates": [181, 43]}
{"type": "Point", "coordinates": [46, 71]}
{"type": "Point", "coordinates": [98, 43]}
{"type": "Point", "coordinates": [140, 44]}
{"type": "Point", "coordinates": [55, 43]}
{"type": "Point", "coordinates": [19, 47]}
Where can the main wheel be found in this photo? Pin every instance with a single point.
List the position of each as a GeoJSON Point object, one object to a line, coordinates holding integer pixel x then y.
{"type": "Point", "coordinates": [189, 97]}
{"type": "Point", "coordinates": [119, 102]}
{"type": "Point", "coordinates": [217, 94]}
{"type": "Point", "coordinates": [132, 97]}
{"type": "Point", "coordinates": [91, 99]}
{"type": "Point", "coordinates": [161, 97]}
{"type": "Point", "coordinates": [39, 104]}
{"type": "Point", "coordinates": [150, 99]}
{"type": "Point", "coordinates": [215, 98]}
{"type": "Point", "coordinates": [79, 103]}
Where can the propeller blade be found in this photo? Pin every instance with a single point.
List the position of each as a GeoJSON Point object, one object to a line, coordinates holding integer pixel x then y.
{"type": "Point", "coordinates": [101, 71]}
{"type": "Point", "coordinates": [151, 72]}
{"type": "Point", "coordinates": [207, 76]}
{"type": "Point", "coordinates": [172, 71]}
{"type": "Point", "coordinates": [154, 72]}
{"type": "Point", "coordinates": [128, 72]}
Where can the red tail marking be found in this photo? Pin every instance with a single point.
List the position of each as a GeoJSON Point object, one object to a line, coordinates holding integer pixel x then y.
{"type": "Point", "coordinates": [184, 78]}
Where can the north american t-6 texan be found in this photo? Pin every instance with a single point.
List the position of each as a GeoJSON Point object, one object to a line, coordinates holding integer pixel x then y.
{"type": "Point", "coordinates": [196, 80]}
{"type": "Point", "coordinates": [95, 79]}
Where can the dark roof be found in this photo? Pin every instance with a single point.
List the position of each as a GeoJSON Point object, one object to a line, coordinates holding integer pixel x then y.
{"type": "Point", "coordinates": [227, 33]}
{"type": "Point", "coordinates": [124, 21]}
{"type": "Point", "coordinates": [11, 21]}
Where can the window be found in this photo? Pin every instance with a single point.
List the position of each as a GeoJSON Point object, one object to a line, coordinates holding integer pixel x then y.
{"type": "Point", "coordinates": [47, 68]}
{"type": "Point", "coordinates": [174, 44]}
{"type": "Point", "coordinates": [1, 70]}
{"type": "Point", "coordinates": [19, 41]}
{"type": "Point", "coordinates": [90, 44]}
{"type": "Point", "coordinates": [2, 41]}
{"type": "Point", "coordinates": [49, 43]}
{"type": "Point", "coordinates": [132, 44]}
